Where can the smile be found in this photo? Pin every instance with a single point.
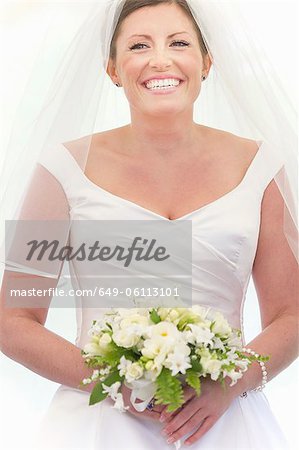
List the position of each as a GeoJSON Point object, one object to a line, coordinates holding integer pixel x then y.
{"type": "Point", "coordinates": [162, 85]}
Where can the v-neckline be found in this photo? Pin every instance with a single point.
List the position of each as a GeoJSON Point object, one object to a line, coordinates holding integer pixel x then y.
{"type": "Point", "coordinates": [149, 211]}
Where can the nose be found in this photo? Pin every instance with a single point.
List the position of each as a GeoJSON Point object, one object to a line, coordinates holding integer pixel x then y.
{"type": "Point", "coordinates": [160, 60]}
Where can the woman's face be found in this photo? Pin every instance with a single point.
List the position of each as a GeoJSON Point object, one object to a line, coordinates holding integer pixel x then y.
{"type": "Point", "coordinates": [158, 60]}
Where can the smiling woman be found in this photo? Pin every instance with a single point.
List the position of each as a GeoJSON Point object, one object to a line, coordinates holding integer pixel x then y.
{"type": "Point", "coordinates": [168, 60]}
{"type": "Point", "coordinates": [138, 153]}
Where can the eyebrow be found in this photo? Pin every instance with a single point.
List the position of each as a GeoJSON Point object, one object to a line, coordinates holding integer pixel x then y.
{"type": "Point", "coordinates": [149, 37]}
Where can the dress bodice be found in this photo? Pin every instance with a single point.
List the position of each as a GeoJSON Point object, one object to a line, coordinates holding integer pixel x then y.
{"type": "Point", "coordinates": [224, 232]}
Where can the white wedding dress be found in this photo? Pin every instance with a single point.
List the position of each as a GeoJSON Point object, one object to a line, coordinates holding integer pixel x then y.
{"type": "Point", "coordinates": [226, 232]}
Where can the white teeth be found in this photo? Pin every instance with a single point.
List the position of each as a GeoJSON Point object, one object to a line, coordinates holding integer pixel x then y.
{"type": "Point", "coordinates": [162, 84]}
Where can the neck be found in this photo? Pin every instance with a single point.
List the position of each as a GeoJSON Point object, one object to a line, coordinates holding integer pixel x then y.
{"type": "Point", "coordinates": [162, 135]}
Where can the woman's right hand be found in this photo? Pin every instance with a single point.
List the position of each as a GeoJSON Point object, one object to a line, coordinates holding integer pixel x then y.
{"type": "Point", "coordinates": [153, 414]}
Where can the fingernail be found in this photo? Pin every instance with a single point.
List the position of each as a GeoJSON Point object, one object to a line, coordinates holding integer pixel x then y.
{"type": "Point", "coordinates": [162, 418]}
{"type": "Point", "coordinates": [170, 440]}
{"type": "Point", "coordinates": [164, 432]}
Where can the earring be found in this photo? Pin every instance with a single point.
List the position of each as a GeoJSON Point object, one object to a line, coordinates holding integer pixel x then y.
{"type": "Point", "coordinates": [117, 84]}
{"type": "Point", "coordinates": [203, 78]}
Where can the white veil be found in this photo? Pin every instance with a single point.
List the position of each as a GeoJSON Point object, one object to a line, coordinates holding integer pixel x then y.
{"type": "Point", "coordinates": [242, 94]}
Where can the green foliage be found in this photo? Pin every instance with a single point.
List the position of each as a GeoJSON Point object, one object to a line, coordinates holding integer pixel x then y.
{"type": "Point", "coordinates": [169, 390]}
{"type": "Point", "coordinates": [228, 367]}
{"type": "Point", "coordinates": [186, 319]}
{"type": "Point", "coordinates": [155, 318]}
{"type": "Point", "coordinates": [192, 378]}
{"type": "Point", "coordinates": [112, 356]}
{"type": "Point", "coordinates": [196, 366]}
{"type": "Point", "coordinates": [97, 394]}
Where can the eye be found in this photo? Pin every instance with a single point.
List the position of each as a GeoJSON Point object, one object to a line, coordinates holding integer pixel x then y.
{"type": "Point", "coordinates": [181, 43]}
{"type": "Point", "coordinates": [137, 46]}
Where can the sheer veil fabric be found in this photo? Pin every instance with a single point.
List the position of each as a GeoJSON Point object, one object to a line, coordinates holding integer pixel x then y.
{"type": "Point", "coordinates": [242, 94]}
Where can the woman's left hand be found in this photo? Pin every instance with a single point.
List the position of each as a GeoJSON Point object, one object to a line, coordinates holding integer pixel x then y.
{"type": "Point", "coordinates": [201, 411]}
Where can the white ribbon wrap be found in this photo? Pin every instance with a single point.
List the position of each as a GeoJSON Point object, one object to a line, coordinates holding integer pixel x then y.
{"type": "Point", "coordinates": [143, 390]}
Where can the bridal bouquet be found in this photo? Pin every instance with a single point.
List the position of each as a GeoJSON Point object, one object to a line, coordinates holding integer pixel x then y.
{"type": "Point", "coordinates": [155, 351]}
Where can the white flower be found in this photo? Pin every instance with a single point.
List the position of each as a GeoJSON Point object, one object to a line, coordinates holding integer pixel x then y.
{"type": "Point", "coordinates": [100, 326]}
{"type": "Point", "coordinates": [152, 348]}
{"type": "Point", "coordinates": [149, 365]}
{"type": "Point", "coordinates": [111, 390]}
{"type": "Point", "coordinates": [234, 341]}
{"type": "Point", "coordinates": [199, 335]}
{"type": "Point", "coordinates": [123, 365]}
{"type": "Point", "coordinates": [220, 325]}
{"type": "Point", "coordinates": [95, 375]}
{"type": "Point", "coordinates": [86, 381]}
{"type": "Point", "coordinates": [139, 345]}
{"type": "Point", "coordinates": [104, 340]}
{"type": "Point", "coordinates": [116, 396]}
{"type": "Point", "coordinates": [154, 371]}
{"type": "Point", "coordinates": [164, 331]}
{"type": "Point", "coordinates": [242, 364]}
{"type": "Point", "coordinates": [104, 371]}
{"type": "Point", "coordinates": [134, 371]}
{"type": "Point", "coordinates": [135, 319]}
{"type": "Point", "coordinates": [231, 355]}
{"type": "Point", "coordinates": [163, 313]}
{"type": "Point", "coordinates": [210, 364]}
{"type": "Point", "coordinates": [131, 370]}
{"type": "Point", "coordinates": [156, 367]}
{"type": "Point", "coordinates": [119, 403]}
{"type": "Point", "coordinates": [125, 338]}
{"type": "Point", "coordinates": [92, 349]}
{"type": "Point", "coordinates": [235, 376]}
{"type": "Point", "coordinates": [173, 316]}
{"type": "Point", "coordinates": [178, 361]}
{"type": "Point", "coordinates": [217, 343]}
{"type": "Point", "coordinates": [213, 367]}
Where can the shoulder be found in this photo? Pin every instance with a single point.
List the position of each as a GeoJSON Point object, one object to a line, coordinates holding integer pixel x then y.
{"type": "Point", "coordinates": [90, 145]}
{"type": "Point", "coordinates": [222, 137]}
{"type": "Point", "coordinates": [102, 141]}
{"type": "Point", "coordinates": [237, 148]}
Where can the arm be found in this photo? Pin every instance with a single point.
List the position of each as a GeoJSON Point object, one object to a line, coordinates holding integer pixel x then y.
{"type": "Point", "coordinates": [23, 336]}
{"type": "Point", "coordinates": [275, 275]}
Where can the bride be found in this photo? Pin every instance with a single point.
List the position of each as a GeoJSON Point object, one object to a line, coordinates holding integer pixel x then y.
{"type": "Point", "coordinates": [164, 166]}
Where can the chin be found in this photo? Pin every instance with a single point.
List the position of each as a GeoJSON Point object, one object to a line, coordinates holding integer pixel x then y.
{"type": "Point", "coordinates": [165, 110]}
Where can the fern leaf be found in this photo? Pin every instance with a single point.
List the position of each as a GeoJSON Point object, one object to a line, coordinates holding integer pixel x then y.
{"type": "Point", "coordinates": [193, 380]}
{"type": "Point", "coordinates": [169, 391]}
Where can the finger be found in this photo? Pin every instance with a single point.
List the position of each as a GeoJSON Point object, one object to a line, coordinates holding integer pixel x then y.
{"type": "Point", "coordinates": [167, 417]}
{"type": "Point", "coordinates": [190, 425]}
{"type": "Point", "coordinates": [188, 395]}
{"type": "Point", "coordinates": [146, 413]}
{"type": "Point", "coordinates": [176, 422]}
{"type": "Point", "coordinates": [158, 408]}
{"type": "Point", "coordinates": [204, 427]}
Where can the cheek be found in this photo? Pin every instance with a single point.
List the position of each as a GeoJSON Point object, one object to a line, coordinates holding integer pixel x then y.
{"type": "Point", "coordinates": [193, 65]}
{"type": "Point", "coordinates": [131, 68]}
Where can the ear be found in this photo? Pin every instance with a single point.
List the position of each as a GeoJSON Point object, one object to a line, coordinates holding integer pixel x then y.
{"type": "Point", "coordinates": [207, 63]}
{"type": "Point", "coordinates": [111, 71]}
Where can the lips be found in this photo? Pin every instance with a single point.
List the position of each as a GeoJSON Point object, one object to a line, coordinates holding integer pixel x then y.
{"type": "Point", "coordinates": [164, 77]}
{"type": "Point", "coordinates": [167, 83]}
{"type": "Point", "coordinates": [162, 85]}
